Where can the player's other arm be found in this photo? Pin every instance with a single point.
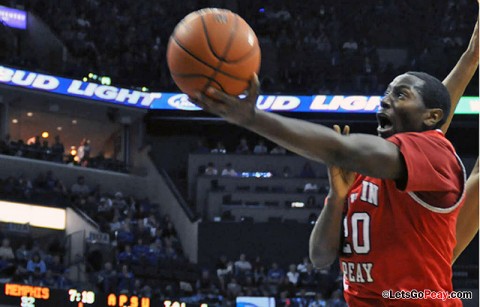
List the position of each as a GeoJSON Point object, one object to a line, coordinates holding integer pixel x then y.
{"type": "Point", "coordinates": [467, 225]}
{"type": "Point", "coordinates": [325, 239]}
{"type": "Point", "coordinates": [458, 79]}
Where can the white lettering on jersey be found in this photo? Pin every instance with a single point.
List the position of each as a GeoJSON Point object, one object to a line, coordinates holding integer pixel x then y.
{"type": "Point", "coordinates": [357, 272]}
{"type": "Point", "coordinates": [369, 193]}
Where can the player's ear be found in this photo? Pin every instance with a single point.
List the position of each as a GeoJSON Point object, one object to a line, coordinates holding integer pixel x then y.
{"type": "Point", "coordinates": [432, 117]}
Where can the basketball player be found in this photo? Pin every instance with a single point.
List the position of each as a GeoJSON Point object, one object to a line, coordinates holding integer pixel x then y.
{"type": "Point", "coordinates": [399, 229]}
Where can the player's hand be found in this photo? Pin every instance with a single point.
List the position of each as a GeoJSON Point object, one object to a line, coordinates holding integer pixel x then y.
{"type": "Point", "coordinates": [340, 180]}
{"type": "Point", "coordinates": [240, 111]}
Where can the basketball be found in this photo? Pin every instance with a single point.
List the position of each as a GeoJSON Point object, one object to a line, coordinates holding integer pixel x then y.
{"type": "Point", "coordinates": [213, 48]}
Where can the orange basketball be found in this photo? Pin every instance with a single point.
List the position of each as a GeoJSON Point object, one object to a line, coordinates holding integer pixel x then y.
{"type": "Point", "coordinates": [213, 47]}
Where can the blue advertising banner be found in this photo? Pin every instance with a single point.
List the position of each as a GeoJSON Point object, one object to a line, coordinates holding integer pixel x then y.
{"type": "Point", "coordinates": [179, 101]}
{"type": "Point", "coordinates": [13, 18]}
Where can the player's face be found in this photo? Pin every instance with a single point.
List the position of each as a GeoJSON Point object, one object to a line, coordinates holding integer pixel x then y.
{"type": "Point", "coordinates": [402, 107]}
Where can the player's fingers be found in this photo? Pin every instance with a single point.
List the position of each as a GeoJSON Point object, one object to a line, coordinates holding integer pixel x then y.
{"type": "Point", "coordinates": [254, 89]}
{"type": "Point", "coordinates": [219, 95]}
{"type": "Point", "coordinates": [205, 102]}
{"type": "Point", "coordinates": [336, 128]}
{"type": "Point", "coordinates": [346, 130]}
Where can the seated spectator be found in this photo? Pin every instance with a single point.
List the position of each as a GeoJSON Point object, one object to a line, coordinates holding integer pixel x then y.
{"type": "Point", "coordinates": [79, 188]}
{"type": "Point", "coordinates": [56, 266]}
{"type": "Point", "coordinates": [36, 266]}
{"type": "Point", "coordinates": [169, 231]}
{"type": "Point", "coordinates": [119, 202]}
{"type": "Point", "coordinates": [260, 148]}
{"type": "Point", "coordinates": [229, 171]}
{"type": "Point", "coordinates": [20, 275]}
{"type": "Point", "coordinates": [318, 301]}
{"type": "Point", "coordinates": [293, 275]}
{"type": "Point", "coordinates": [5, 265]}
{"type": "Point", "coordinates": [142, 232]}
{"type": "Point", "coordinates": [259, 275]}
{"type": "Point", "coordinates": [205, 283]}
{"type": "Point", "coordinates": [309, 278]}
{"type": "Point", "coordinates": [301, 298]}
{"type": "Point", "coordinates": [249, 288]}
{"type": "Point", "coordinates": [24, 187]}
{"type": "Point", "coordinates": [64, 281]}
{"type": "Point", "coordinates": [242, 267]}
{"type": "Point", "coordinates": [211, 170]}
{"type": "Point", "coordinates": [125, 280]}
{"type": "Point", "coordinates": [60, 190]}
{"type": "Point", "coordinates": [275, 276]}
{"type": "Point", "coordinates": [224, 271]}
{"type": "Point", "coordinates": [170, 251]}
{"type": "Point", "coordinates": [326, 282]}
{"type": "Point", "coordinates": [336, 299]}
{"type": "Point", "coordinates": [127, 256]}
{"type": "Point", "coordinates": [233, 289]}
{"type": "Point", "coordinates": [307, 171]}
{"type": "Point", "coordinates": [6, 251]}
{"type": "Point", "coordinates": [302, 267]}
{"type": "Point", "coordinates": [22, 254]}
{"type": "Point", "coordinates": [105, 206]}
{"type": "Point", "coordinates": [107, 278]}
{"type": "Point", "coordinates": [125, 235]}
{"type": "Point", "coordinates": [151, 223]}
{"type": "Point", "coordinates": [50, 181]}
{"type": "Point", "coordinates": [140, 250]}
{"type": "Point", "coordinates": [219, 148]}
{"type": "Point", "coordinates": [286, 288]}
{"type": "Point", "coordinates": [155, 252]}
{"type": "Point", "coordinates": [278, 150]}
{"type": "Point", "coordinates": [49, 280]}
{"type": "Point", "coordinates": [40, 184]}
{"type": "Point", "coordinates": [242, 147]}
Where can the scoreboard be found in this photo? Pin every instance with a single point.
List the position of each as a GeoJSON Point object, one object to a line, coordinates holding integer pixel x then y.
{"type": "Point", "coordinates": [16, 295]}
{"type": "Point", "coordinates": [36, 296]}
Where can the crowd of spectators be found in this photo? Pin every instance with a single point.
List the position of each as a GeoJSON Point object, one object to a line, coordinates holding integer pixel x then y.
{"type": "Point", "coordinates": [244, 147]}
{"type": "Point", "coordinates": [145, 256]}
{"type": "Point", "coordinates": [336, 47]}
{"type": "Point", "coordinates": [294, 285]}
{"type": "Point", "coordinates": [41, 150]}
{"type": "Point", "coordinates": [24, 260]}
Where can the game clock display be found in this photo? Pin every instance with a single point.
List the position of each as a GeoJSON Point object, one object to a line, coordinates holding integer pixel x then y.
{"type": "Point", "coordinates": [36, 296]}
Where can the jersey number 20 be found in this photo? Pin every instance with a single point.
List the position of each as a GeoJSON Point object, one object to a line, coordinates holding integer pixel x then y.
{"type": "Point", "coordinates": [360, 221]}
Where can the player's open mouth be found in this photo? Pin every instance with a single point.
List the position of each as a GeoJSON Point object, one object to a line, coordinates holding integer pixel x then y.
{"type": "Point", "coordinates": [384, 123]}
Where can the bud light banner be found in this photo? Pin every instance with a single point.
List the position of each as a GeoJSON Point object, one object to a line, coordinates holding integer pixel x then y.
{"type": "Point", "coordinates": [177, 101]}
{"type": "Point", "coordinates": [13, 18]}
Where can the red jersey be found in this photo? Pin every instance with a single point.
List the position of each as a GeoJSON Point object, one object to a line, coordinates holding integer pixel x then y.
{"type": "Point", "coordinates": [403, 239]}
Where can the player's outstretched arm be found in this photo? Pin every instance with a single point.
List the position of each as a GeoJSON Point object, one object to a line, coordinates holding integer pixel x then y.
{"type": "Point", "coordinates": [366, 154]}
{"type": "Point", "coordinates": [325, 241]}
{"type": "Point", "coordinates": [467, 221]}
{"type": "Point", "coordinates": [458, 79]}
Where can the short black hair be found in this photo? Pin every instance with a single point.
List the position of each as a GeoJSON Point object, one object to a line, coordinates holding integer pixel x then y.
{"type": "Point", "coordinates": [434, 94]}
